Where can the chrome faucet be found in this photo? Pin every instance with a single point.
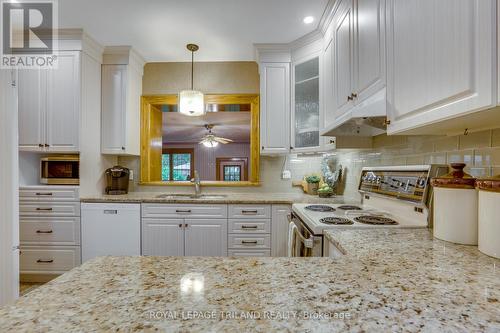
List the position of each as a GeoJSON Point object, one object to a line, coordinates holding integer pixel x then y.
{"type": "Point", "coordinates": [197, 184]}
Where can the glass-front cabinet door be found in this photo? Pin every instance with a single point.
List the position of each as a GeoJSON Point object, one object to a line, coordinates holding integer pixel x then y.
{"type": "Point", "coordinates": [306, 112]}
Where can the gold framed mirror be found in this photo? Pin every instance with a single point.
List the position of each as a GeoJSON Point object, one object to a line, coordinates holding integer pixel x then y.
{"type": "Point", "coordinates": [222, 145]}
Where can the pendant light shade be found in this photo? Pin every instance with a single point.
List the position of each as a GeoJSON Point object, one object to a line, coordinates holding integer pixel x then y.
{"type": "Point", "coordinates": [192, 102]}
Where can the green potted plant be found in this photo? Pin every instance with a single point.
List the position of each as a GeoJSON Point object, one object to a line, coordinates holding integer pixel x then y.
{"type": "Point", "coordinates": [312, 184]}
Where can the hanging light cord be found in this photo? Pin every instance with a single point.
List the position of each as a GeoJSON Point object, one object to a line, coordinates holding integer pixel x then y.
{"type": "Point", "coordinates": [192, 69]}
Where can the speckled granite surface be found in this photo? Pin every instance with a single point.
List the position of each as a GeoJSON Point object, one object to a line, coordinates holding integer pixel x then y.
{"type": "Point", "coordinates": [236, 198]}
{"type": "Point", "coordinates": [390, 281]}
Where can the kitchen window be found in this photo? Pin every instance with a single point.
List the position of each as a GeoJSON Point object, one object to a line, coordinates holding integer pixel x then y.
{"type": "Point", "coordinates": [177, 164]}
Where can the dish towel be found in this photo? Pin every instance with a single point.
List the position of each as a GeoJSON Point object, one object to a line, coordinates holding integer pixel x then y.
{"type": "Point", "coordinates": [291, 233]}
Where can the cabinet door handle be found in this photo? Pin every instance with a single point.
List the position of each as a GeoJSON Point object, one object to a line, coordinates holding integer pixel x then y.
{"type": "Point", "coordinates": [249, 212]}
{"type": "Point", "coordinates": [186, 225]}
{"type": "Point", "coordinates": [180, 225]}
{"type": "Point", "coordinates": [123, 148]}
{"type": "Point", "coordinates": [349, 98]}
{"type": "Point", "coordinates": [46, 145]}
{"type": "Point", "coordinates": [354, 95]}
{"type": "Point", "coordinates": [249, 242]}
{"type": "Point", "coordinates": [44, 193]}
{"type": "Point", "coordinates": [45, 261]}
{"type": "Point", "coordinates": [44, 209]}
{"type": "Point", "coordinates": [183, 210]}
{"type": "Point", "coordinates": [111, 211]}
{"type": "Point", "coordinates": [249, 227]}
{"type": "Point", "coordinates": [44, 232]}
{"type": "Point", "coordinates": [40, 145]}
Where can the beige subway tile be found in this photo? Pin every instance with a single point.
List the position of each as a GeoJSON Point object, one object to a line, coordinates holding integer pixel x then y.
{"type": "Point", "coordinates": [435, 158]}
{"type": "Point", "coordinates": [461, 156]}
{"type": "Point", "coordinates": [382, 141]}
{"type": "Point", "coordinates": [415, 160]}
{"type": "Point", "coordinates": [495, 171]}
{"type": "Point", "coordinates": [475, 140]}
{"type": "Point", "coordinates": [446, 144]}
{"type": "Point", "coordinates": [495, 138]}
{"type": "Point", "coordinates": [487, 157]}
{"type": "Point", "coordinates": [479, 172]}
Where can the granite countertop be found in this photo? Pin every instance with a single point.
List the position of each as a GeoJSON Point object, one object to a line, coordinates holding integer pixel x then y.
{"type": "Point", "coordinates": [390, 280]}
{"type": "Point", "coordinates": [230, 198]}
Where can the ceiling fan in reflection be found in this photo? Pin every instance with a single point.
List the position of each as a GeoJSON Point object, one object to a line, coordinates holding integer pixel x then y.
{"type": "Point", "coordinates": [212, 141]}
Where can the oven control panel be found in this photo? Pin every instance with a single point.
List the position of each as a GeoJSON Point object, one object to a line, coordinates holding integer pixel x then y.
{"type": "Point", "coordinates": [403, 184]}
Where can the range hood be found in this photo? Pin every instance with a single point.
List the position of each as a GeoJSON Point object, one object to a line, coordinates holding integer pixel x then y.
{"type": "Point", "coordinates": [365, 119]}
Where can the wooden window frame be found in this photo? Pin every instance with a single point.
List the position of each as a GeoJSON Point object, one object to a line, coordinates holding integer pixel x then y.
{"type": "Point", "coordinates": [244, 169]}
{"type": "Point", "coordinates": [173, 151]}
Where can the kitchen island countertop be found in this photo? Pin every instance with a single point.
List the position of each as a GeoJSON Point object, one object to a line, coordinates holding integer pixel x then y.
{"type": "Point", "coordinates": [389, 280]}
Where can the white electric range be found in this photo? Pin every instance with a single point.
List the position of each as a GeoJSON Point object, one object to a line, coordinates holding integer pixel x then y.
{"type": "Point", "coordinates": [392, 197]}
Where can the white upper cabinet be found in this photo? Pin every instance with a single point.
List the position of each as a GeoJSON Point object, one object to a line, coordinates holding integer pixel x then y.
{"type": "Point", "coordinates": [343, 34]}
{"type": "Point", "coordinates": [275, 107]}
{"type": "Point", "coordinates": [63, 104]}
{"type": "Point", "coordinates": [49, 106]}
{"type": "Point", "coordinates": [369, 49]}
{"type": "Point", "coordinates": [51, 100]}
{"type": "Point", "coordinates": [122, 72]}
{"type": "Point", "coordinates": [306, 104]}
{"type": "Point", "coordinates": [32, 85]}
{"type": "Point", "coordinates": [441, 63]}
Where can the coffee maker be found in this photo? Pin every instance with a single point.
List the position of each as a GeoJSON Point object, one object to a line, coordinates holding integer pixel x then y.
{"type": "Point", "coordinates": [117, 179]}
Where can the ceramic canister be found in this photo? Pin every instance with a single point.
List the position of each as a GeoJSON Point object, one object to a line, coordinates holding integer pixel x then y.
{"type": "Point", "coordinates": [489, 216]}
{"type": "Point", "coordinates": [455, 207]}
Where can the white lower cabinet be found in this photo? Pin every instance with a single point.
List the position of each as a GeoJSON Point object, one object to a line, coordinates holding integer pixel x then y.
{"type": "Point", "coordinates": [184, 230]}
{"type": "Point", "coordinates": [49, 231]}
{"type": "Point", "coordinates": [163, 237]}
{"type": "Point", "coordinates": [279, 231]}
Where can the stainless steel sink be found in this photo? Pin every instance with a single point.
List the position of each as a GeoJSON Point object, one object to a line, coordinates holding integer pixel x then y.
{"type": "Point", "coordinates": [191, 196]}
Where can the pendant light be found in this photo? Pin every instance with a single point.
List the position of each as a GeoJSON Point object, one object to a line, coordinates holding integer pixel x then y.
{"type": "Point", "coordinates": [191, 102]}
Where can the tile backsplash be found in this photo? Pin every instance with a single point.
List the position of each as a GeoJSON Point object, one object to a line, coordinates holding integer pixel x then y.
{"type": "Point", "coordinates": [480, 151]}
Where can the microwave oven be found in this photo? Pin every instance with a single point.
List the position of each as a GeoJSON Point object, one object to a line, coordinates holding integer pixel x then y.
{"type": "Point", "coordinates": [60, 170]}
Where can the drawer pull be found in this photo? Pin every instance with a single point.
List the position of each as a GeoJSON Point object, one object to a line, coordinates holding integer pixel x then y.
{"type": "Point", "coordinates": [44, 232]}
{"type": "Point", "coordinates": [183, 210]}
{"type": "Point", "coordinates": [249, 212]}
{"type": "Point", "coordinates": [44, 193]}
{"type": "Point", "coordinates": [249, 242]}
{"type": "Point", "coordinates": [111, 211]}
{"type": "Point", "coordinates": [44, 209]}
{"type": "Point", "coordinates": [249, 227]}
{"type": "Point", "coordinates": [41, 261]}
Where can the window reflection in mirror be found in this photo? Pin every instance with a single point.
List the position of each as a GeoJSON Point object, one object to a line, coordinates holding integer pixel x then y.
{"type": "Point", "coordinates": [217, 144]}
{"type": "Point", "coordinates": [222, 145]}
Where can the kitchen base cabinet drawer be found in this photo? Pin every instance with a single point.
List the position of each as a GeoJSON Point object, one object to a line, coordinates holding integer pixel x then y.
{"type": "Point", "coordinates": [250, 226]}
{"type": "Point", "coordinates": [55, 260]}
{"type": "Point", "coordinates": [49, 231]}
{"type": "Point", "coordinates": [49, 193]}
{"type": "Point", "coordinates": [243, 241]}
{"type": "Point", "coordinates": [183, 211]}
{"type": "Point", "coordinates": [49, 209]}
{"type": "Point", "coordinates": [249, 211]}
{"type": "Point", "coordinates": [249, 253]}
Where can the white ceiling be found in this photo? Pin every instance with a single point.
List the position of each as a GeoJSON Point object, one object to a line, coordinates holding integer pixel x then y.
{"type": "Point", "coordinates": [179, 128]}
{"type": "Point", "coordinates": [159, 29]}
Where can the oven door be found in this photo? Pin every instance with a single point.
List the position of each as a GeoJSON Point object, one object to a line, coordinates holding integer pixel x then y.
{"type": "Point", "coordinates": [301, 242]}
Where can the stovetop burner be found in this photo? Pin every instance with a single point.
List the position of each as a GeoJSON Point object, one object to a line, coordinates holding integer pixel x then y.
{"type": "Point", "coordinates": [320, 208]}
{"type": "Point", "coordinates": [349, 207]}
{"type": "Point", "coordinates": [377, 220]}
{"type": "Point", "coordinates": [336, 221]}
